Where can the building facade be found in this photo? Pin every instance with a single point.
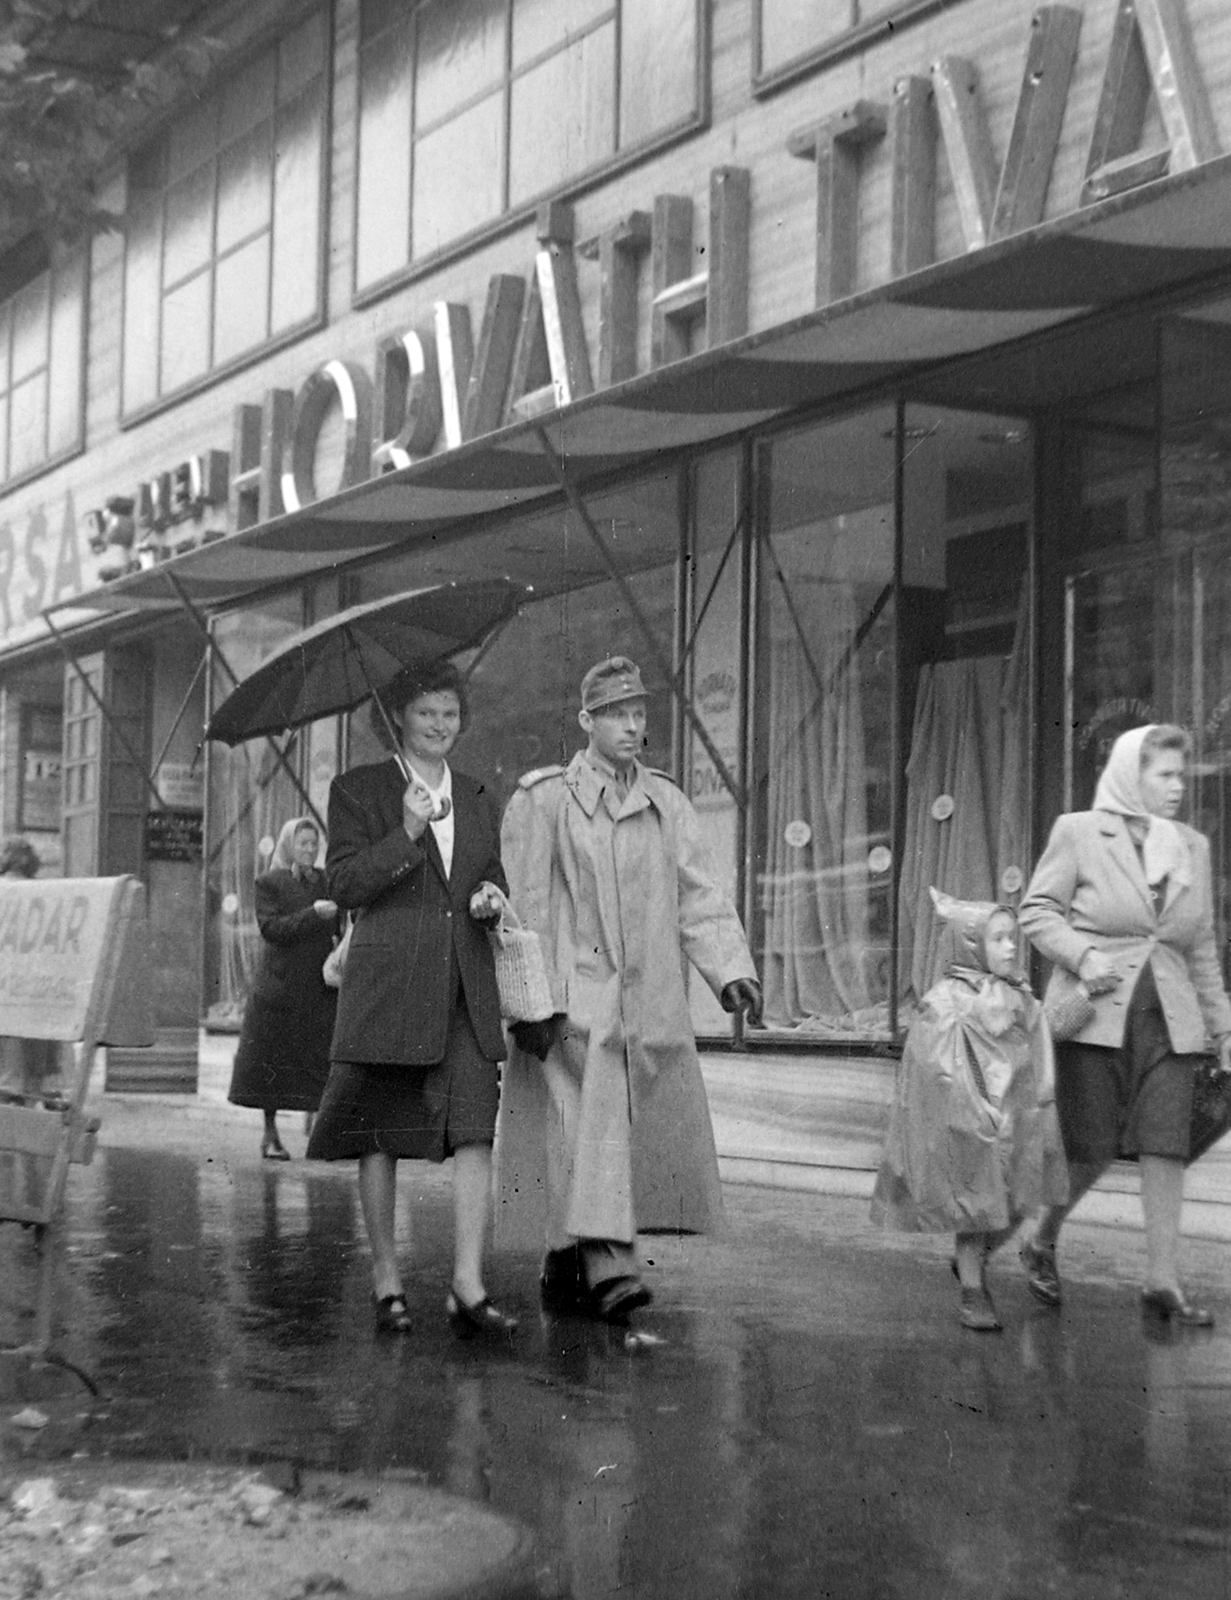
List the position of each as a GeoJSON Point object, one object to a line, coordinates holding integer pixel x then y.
{"type": "Point", "coordinates": [856, 367]}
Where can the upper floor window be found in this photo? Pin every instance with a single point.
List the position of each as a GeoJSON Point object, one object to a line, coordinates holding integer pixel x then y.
{"type": "Point", "coordinates": [42, 342]}
{"type": "Point", "coordinates": [224, 224]}
{"type": "Point", "coordinates": [472, 108]}
{"type": "Point", "coordinates": [793, 32]}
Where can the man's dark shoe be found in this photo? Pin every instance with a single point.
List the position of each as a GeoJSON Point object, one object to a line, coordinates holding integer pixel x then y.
{"type": "Point", "coordinates": [617, 1298]}
{"type": "Point", "coordinates": [562, 1284]}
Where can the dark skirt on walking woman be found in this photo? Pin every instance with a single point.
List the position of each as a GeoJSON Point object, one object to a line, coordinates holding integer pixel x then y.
{"type": "Point", "coordinates": [283, 1058]}
{"type": "Point", "coordinates": [415, 1113]}
{"type": "Point", "coordinates": [1135, 1101]}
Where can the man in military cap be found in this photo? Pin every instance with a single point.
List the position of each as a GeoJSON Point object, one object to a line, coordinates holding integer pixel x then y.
{"type": "Point", "coordinates": [605, 1127]}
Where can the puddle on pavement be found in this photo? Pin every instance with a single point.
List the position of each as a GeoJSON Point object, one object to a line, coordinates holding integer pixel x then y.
{"type": "Point", "coordinates": [812, 1421]}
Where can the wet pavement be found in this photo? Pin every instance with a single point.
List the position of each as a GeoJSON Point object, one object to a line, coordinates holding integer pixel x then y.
{"type": "Point", "coordinates": [814, 1422]}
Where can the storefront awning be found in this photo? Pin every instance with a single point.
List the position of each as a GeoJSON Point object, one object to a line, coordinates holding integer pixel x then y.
{"type": "Point", "coordinates": [1159, 238]}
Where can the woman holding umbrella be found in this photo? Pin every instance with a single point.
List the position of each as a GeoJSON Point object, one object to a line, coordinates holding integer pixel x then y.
{"type": "Point", "coordinates": [414, 854]}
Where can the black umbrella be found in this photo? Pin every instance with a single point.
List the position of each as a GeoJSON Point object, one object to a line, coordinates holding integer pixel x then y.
{"type": "Point", "coordinates": [337, 664]}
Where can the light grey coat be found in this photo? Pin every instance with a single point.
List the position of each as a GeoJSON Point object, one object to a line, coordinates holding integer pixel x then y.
{"type": "Point", "coordinates": [612, 1133]}
{"type": "Point", "coordinates": [1089, 891]}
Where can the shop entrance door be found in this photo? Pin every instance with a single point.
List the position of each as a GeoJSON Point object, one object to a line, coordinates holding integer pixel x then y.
{"type": "Point", "coordinates": [1148, 639]}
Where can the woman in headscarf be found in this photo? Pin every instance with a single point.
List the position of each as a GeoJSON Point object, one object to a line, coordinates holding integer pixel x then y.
{"type": "Point", "coordinates": [283, 1057]}
{"type": "Point", "coordinates": [1122, 903]}
{"type": "Point", "coordinates": [973, 1143]}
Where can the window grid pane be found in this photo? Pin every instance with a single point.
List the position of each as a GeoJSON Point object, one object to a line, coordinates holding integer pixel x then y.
{"type": "Point", "coordinates": [42, 329]}
{"type": "Point", "coordinates": [241, 204]}
{"type": "Point", "coordinates": [460, 77]}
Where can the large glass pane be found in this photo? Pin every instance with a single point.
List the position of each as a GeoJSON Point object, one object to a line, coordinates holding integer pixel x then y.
{"type": "Point", "coordinates": [822, 778]}
{"type": "Point", "coordinates": [193, 138]}
{"type": "Point", "coordinates": [383, 203]}
{"type": "Point", "coordinates": [185, 333]}
{"type": "Point", "coordinates": [245, 184]}
{"type": "Point", "coordinates": [4, 437]}
{"type": "Point", "coordinates": [6, 327]}
{"type": "Point", "coordinates": [541, 25]}
{"type": "Point", "coordinates": [28, 425]}
{"type": "Point", "coordinates": [964, 622]}
{"type": "Point", "coordinates": [297, 212]}
{"type": "Point", "coordinates": [250, 797]}
{"type": "Point", "coordinates": [713, 681]}
{"type": "Point", "coordinates": [241, 301]}
{"type": "Point", "coordinates": [31, 319]}
{"type": "Point", "coordinates": [562, 118]}
{"type": "Point", "coordinates": [141, 297]}
{"type": "Point", "coordinates": [189, 226]}
{"type": "Point", "coordinates": [461, 51]}
{"type": "Point", "coordinates": [67, 334]}
{"type": "Point", "coordinates": [790, 28]}
{"type": "Point", "coordinates": [658, 67]}
{"type": "Point", "coordinates": [458, 170]}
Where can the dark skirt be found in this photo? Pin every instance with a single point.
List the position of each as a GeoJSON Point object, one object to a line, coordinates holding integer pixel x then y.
{"type": "Point", "coordinates": [1135, 1101]}
{"type": "Point", "coordinates": [283, 1058]}
{"type": "Point", "coordinates": [418, 1113]}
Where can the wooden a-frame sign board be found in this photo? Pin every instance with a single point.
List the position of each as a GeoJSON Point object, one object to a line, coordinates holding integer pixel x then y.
{"type": "Point", "coordinates": [74, 968]}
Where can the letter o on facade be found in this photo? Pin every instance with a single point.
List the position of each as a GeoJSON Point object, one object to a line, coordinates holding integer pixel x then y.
{"type": "Point", "coordinates": [348, 384]}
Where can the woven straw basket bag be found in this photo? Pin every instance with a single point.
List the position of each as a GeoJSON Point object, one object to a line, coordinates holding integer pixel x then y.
{"type": "Point", "coordinates": [521, 973]}
{"type": "Point", "coordinates": [1068, 1016]}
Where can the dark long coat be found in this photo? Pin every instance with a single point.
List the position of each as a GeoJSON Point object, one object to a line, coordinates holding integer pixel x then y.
{"type": "Point", "coordinates": [283, 1056]}
{"type": "Point", "coordinates": [412, 922]}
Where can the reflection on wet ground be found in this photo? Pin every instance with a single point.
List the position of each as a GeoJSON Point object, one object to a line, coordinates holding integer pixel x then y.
{"type": "Point", "coordinates": [815, 1422]}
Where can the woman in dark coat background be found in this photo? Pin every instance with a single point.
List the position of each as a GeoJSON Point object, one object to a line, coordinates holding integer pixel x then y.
{"type": "Point", "coordinates": [283, 1058]}
{"type": "Point", "coordinates": [414, 852]}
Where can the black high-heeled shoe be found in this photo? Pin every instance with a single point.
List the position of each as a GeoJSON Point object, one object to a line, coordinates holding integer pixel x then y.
{"type": "Point", "coordinates": [1167, 1303]}
{"type": "Point", "coordinates": [392, 1313]}
{"type": "Point", "coordinates": [484, 1317]}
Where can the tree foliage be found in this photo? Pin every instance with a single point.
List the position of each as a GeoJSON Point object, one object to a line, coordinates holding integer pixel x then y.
{"type": "Point", "coordinates": [58, 129]}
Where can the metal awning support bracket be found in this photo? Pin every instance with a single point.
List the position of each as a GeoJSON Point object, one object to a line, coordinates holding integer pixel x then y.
{"type": "Point", "coordinates": [664, 666]}
{"type": "Point", "coordinates": [212, 650]}
{"type": "Point", "coordinates": [115, 727]}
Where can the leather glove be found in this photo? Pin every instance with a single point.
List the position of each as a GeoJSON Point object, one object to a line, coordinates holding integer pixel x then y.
{"type": "Point", "coordinates": [744, 994]}
{"type": "Point", "coordinates": [536, 1038]}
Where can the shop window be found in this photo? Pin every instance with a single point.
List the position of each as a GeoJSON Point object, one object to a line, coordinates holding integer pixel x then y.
{"type": "Point", "coordinates": [965, 673]}
{"type": "Point", "coordinates": [469, 109]}
{"type": "Point", "coordinates": [801, 34]}
{"type": "Point", "coordinates": [223, 239]}
{"type": "Point", "coordinates": [42, 346]}
{"type": "Point", "coordinates": [250, 796]}
{"type": "Point", "coordinates": [712, 635]}
{"type": "Point", "coordinates": [823, 785]}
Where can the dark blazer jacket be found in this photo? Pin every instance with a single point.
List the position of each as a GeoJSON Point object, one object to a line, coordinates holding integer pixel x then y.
{"type": "Point", "coordinates": [395, 1001]}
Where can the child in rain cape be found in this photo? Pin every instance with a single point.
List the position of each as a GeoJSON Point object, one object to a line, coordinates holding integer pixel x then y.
{"type": "Point", "coordinates": [974, 1141]}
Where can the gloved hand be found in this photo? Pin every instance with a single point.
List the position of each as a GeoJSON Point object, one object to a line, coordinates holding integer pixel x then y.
{"type": "Point", "coordinates": [536, 1038]}
{"type": "Point", "coordinates": [744, 994]}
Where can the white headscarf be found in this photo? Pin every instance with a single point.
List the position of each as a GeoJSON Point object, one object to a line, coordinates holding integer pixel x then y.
{"type": "Point", "coordinates": [283, 857]}
{"type": "Point", "coordinates": [1119, 789]}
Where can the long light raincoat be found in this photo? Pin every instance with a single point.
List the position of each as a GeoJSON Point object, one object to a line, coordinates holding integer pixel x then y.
{"type": "Point", "coordinates": [974, 1141]}
{"type": "Point", "coordinates": [613, 1129]}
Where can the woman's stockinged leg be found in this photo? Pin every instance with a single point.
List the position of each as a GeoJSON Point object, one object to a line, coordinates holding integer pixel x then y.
{"type": "Point", "coordinates": [1082, 1176]}
{"type": "Point", "coordinates": [472, 1204]}
{"type": "Point", "coordinates": [378, 1197]}
{"type": "Point", "coordinates": [970, 1250]}
{"type": "Point", "coordinates": [1162, 1201]}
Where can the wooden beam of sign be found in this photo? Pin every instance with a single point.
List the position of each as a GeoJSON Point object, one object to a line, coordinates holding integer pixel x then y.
{"type": "Point", "coordinates": [968, 145]}
{"type": "Point", "coordinates": [1035, 137]}
{"type": "Point", "coordinates": [670, 263]}
{"type": "Point", "coordinates": [912, 159]}
{"type": "Point", "coordinates": [1150, 51]}
{"type": "Point", "coordinates": [618, 251]}
{"type": "Point", "coordinates": [726, 306]}
{"type": "Point", "coordinates": [493, 361]}
{"type": "Point", "coordinates": [837, 144]}
{"type": "Point", "coordinates": [567, 352]}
